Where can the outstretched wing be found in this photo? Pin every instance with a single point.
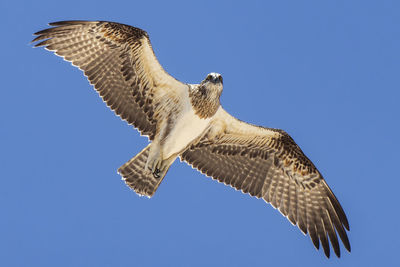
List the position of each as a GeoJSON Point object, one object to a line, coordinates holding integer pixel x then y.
{"type": "Point", "coordinates": [268, 164]}
{"type": "Point", "coordinates": [119, 61]}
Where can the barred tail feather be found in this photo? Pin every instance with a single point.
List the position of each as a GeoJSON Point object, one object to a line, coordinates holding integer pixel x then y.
{"type": "Point", "coordinates": [137, 177]}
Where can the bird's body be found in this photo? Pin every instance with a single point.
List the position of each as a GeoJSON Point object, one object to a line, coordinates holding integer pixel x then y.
{"type": "Point", "coordinates": [187, 121]}
{"type": "Point", "coordinates": [187, 128]}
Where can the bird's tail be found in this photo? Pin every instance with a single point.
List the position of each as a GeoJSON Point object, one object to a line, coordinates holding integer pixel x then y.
{"type": "Point", "coordinates": [137, 177]}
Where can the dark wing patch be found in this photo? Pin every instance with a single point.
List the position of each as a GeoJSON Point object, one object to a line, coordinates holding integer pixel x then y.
{"type": "Point", "coordinates": [272, 167]}
{"type": "Point", "coordinates": [118, 60]}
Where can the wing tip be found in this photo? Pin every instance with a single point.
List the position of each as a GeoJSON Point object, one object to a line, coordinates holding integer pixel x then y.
{"type": "Point", "coordinates": [70, 22]}
{"type": "Point", "coordinates": [57, 24]}
{"type": "Point", "coordinates": [347, 245]}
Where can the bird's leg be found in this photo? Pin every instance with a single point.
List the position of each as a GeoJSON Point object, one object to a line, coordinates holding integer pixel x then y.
{"type": "Point", "coordinates": [154, 160]}
{"type": "Point", "coordinates": [164, 166]}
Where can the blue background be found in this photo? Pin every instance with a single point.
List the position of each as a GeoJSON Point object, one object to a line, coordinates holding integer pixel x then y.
{"type": "Point", "coordinates": [325, 71]}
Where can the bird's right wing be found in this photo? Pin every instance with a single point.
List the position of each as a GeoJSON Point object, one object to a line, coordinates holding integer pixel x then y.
{"type": "Point", "coordinates": [268, 164]}
{"type": "Point", "coordinates": [119, 61]}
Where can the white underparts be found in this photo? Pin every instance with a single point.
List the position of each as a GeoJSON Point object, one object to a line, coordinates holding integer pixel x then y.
{"type": "Point", "coordinates": [187, 128]}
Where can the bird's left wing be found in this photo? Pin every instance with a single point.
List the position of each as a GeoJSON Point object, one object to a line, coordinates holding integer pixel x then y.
{"type": "Point", "coordinates": [120, 63]}
{"type": "Point", "coordinates": [268, 164]}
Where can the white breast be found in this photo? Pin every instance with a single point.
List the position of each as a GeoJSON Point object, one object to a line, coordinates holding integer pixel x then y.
{"type": "Point", "coordinates": [188, 127]}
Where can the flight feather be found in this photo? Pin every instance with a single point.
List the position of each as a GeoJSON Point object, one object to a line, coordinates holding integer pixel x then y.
{"type": "Point", "coordinates": [119, 62]}
{"type": "Point", "coordinates": [268, 164]}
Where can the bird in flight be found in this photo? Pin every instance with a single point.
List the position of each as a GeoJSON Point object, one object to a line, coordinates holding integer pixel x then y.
{"type": "Point", "coordinates": [187, 121]}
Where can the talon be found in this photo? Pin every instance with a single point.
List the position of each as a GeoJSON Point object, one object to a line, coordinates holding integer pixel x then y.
{"type": "Point", "coordinates": [156, 173]}
{"type": "Point", "coordinates": [155, 166]}
{"type": "Point", "coordinates": [154, 162]}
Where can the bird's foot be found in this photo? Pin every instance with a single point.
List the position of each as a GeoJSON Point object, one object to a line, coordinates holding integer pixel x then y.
{"type": "Point", "coordinates": [155, 163]}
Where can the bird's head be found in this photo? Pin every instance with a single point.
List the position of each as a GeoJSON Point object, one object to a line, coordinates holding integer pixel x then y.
{"type": "Point", "coordinates": [213, 77]}
{"type": "Point", "coordinates": [212, 85]}
{"type": "Point", "coordinates": [205, 96]}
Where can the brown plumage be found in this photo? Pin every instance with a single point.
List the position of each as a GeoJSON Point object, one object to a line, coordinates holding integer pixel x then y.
{"type": "Point", "coordinates": [187, 121]}
{"type": "Point", "coordinates": [202, 98]}
{"type": "Point", "coordinates": [113, 56]}
{"type": "Point", "coordinates": [267, 163]}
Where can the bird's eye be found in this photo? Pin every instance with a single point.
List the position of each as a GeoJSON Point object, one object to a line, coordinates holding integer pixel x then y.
{"type": "Point", "coordinates": [220, 78]}
{"type": "Point", "coordinates": [208, 78]}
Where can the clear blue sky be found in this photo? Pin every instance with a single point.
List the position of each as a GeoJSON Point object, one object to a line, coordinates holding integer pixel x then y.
{"type": "Point", "coordinates": [327, 72]}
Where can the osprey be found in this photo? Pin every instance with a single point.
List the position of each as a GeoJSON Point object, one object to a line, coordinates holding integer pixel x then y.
{"type": "Point", "coordinates": [187, 121]}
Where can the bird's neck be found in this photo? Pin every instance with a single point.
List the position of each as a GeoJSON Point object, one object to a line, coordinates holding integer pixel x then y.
{"type": "Point", "coordinates": [205, 102]}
